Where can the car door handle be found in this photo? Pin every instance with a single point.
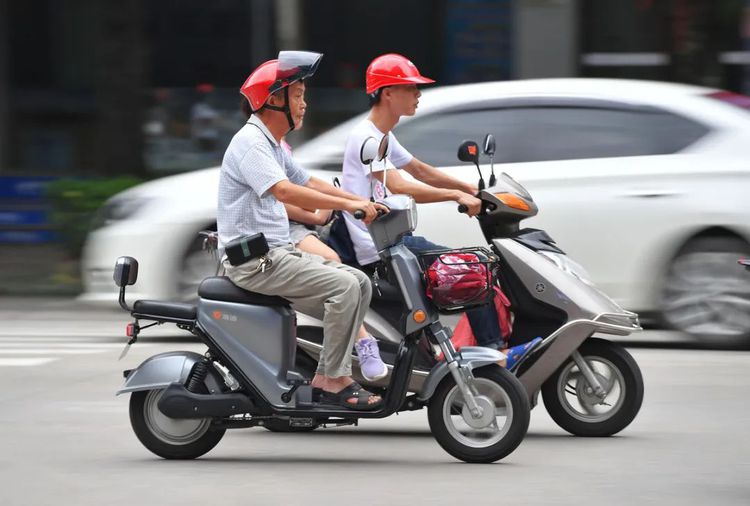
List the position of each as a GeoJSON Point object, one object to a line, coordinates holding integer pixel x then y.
{"type": "Point", "coordinates": [650, 194]}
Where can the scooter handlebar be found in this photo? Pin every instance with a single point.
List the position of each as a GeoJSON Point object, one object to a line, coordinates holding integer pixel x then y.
{"type": "Point", "coordinates": [462, 208]}
{"type": "Point", "coordinates": [359, 214]}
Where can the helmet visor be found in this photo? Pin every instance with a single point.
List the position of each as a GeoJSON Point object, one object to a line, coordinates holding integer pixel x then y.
{"type": "Point", "coordinates": [294, 66]}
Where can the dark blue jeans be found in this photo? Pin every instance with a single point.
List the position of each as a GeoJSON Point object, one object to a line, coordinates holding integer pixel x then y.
{"type": "Point", "coordinates": [483, 320]}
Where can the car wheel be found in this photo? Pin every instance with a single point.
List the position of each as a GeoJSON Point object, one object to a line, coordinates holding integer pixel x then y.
{"type": "Point", "coordinates": [197, 264]}
{"type": "Point", "coordinates": [706, 294]}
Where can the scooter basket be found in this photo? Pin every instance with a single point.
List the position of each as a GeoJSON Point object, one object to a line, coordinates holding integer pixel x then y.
{"type": "Point", "coordinates": [456, 280]}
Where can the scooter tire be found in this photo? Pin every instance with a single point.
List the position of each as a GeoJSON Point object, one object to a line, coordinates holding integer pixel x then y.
{"type": "Point", "coordinates": [157, 439]}
{"type": "Point", "coordinates": [619, 358]}
{"type": "Point", "coordinates": [519, 423]}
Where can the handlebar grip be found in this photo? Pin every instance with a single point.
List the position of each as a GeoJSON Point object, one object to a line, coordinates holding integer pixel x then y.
{"type": "Point", "coordinates": [359, 214]}
{"type": "Point", "coordinates": [381, 213]}
{"type": "Point", "coordinates": [462, 208]}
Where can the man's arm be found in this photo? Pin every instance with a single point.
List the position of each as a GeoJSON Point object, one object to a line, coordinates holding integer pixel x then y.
{"type": "Point", "coordinates": [307, 198]}
{"type": "Point", "coordinates": [434, 177]}
{"type": "Point", "coordinates": [309, 217]}
{"type": "Point", "coordinates": [424, 193]}
{"type": "Point", "coordinates": [327, 188]}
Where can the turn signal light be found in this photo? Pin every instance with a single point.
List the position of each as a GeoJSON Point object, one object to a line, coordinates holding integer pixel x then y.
{"type": "Point", "coordinates": [419, 316]}
{"type": "Point", "coordinates": [513, 201]}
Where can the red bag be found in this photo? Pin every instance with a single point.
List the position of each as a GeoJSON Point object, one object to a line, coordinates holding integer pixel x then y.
{"type": "Point", "coordinates": [462, 334]}
{"type": "Point", "coordinates": [457, 279]}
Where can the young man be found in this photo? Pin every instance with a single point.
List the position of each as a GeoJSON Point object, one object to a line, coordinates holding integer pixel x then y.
{"type": "Point", "coordinates": [392, 86]}
{"type": "Point", "coordinates": [257, 177]}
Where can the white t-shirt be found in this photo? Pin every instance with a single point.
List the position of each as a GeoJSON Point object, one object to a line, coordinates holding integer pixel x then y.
{"type": "Point", "coordinates": [356, 179]}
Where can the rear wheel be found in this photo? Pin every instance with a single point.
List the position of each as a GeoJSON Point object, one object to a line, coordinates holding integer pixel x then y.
{"type": "Point", "coordinates": [571, 402]}
{"type": "Point", "coordinates": [490, 437]}
{"type": "Point", "coordinates": [167, 437]}
{"type": "Point", "coordinates": [706, 294]}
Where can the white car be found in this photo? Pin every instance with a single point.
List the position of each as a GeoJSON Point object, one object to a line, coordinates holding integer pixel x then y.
{"type": "Point", "coordinates": [645, 184]}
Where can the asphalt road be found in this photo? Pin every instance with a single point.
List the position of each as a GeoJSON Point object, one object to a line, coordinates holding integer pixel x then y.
{"type": "Point", "coordinates": [66, 438]}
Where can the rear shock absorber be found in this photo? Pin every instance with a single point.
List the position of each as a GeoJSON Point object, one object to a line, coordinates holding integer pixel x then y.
{"type": "Point", "coordinates": [197, 375]}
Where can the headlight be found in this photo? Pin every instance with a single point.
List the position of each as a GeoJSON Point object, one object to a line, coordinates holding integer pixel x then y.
{"type": "Point", "coordinates": [565, 263]}
{"type": "Point", "coordinates": [117, 209]}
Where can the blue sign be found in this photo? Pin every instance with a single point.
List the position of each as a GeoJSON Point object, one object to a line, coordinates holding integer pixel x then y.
{"type": "Point", "coordinates": [26, 236]}
{"type": "Point", "coordinates": [23, 187]}
{"type": "Point", "coordinates": [22, 218]}
{"type": "Point", "coordinates": [478, 40]}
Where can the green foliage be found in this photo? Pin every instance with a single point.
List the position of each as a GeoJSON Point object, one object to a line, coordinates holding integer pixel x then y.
{"type": "Point", "coordinates": [74, 204]}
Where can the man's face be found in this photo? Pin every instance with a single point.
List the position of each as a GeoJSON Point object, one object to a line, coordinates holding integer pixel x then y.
{"type": "Point", "coordinates": [404, 99]}
{"type": "Point", "coordinates": [297, 104]}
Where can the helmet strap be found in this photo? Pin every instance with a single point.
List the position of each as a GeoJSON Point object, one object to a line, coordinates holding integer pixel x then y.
{"type": "Point", "coordinates": [285, 109]}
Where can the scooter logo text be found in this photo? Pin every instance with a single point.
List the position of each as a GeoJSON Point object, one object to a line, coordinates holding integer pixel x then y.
{"type": "Point", "coordinates": [218, 315]}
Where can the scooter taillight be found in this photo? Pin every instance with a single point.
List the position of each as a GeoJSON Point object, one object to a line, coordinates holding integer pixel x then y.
{"type": "Point", "coordinates": [130, 329]}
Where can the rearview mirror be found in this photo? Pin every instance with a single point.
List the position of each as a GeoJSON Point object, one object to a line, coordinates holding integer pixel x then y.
{"type": "Point", "coordinates": [489, 145]}
{"type": "Point", "coordinates": [383, 147]}
{"type": "Point", "coordinates": [468, 151]}
{"type": "Point", "coordinates": [126, 271]}
{"type": "Point", "coordinates": [370, 151]}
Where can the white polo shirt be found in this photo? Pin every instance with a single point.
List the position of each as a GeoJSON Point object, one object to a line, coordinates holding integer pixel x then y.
{"type": "Point", "coordinates": [357, 180]}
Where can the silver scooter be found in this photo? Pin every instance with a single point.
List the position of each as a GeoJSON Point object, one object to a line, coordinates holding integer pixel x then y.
{"type": "Point", "coordinates": [182, 402]}
{"type": "Point", "coordinates": [590, 386]}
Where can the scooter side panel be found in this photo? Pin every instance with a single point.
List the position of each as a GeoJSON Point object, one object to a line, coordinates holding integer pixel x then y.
{"type": "Point", "coordinates": [406, 268]}
{"type": "Point", "coordinates": [259, 339]}
{"type": "Point", "coordinates": [160, 371]}
{"type": "Point", "coordinates": [549, 284]}
{"type": "Point", "coordinates": [556, 350]}
{"type": "Point", "coordinates": [470, 356]}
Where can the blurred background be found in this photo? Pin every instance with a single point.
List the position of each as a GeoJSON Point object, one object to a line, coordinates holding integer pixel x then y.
{"type": "Point", "coordinates": [96, 97]}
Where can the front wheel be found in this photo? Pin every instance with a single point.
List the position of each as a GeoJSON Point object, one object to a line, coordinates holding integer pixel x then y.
{"type": "Point", "coordinates": [570, 400]}
{"type": "Point", "coordinates": [496, 433]}
{"type": "Point", "coordinates": [167, 437]}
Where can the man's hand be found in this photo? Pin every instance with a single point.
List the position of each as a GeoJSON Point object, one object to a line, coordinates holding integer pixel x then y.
{"type": "Point", "coordinates": [473, 203]}
{"type": "Point", "coordinates": [370, 209]}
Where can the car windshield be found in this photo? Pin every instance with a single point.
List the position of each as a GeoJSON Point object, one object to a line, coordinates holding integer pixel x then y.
{"type": "Point", "coordinates": [735, 99]}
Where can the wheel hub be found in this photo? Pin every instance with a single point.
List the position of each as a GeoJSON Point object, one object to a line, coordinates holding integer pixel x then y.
{"type": "Point", "coordinates": [486, 416]}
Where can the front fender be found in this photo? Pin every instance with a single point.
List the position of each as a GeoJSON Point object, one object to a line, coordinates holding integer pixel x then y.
{"type": "Point", "coordinates": [472, 357]}
{"type": "Point", "coordinates": [160, 370]}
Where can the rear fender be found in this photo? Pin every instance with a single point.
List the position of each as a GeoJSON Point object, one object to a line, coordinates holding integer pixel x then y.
{"type": "Point", "coordinates": [161, 370]}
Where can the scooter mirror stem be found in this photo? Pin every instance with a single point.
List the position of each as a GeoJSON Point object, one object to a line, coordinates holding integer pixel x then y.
{"type": "Point", "coordinates": [493, 179]}
{"type": "Point", "coordinates": [481, 179]}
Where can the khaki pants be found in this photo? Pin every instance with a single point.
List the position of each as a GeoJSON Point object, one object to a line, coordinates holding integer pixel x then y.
{"type": "Point", "coordinates": [335, 293]}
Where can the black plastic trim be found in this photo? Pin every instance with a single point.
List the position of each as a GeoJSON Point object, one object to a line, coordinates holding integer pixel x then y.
{"type": "Point", "coordinates": [537, 240]}
{"type": "Point", "coordinates": [178, 402]}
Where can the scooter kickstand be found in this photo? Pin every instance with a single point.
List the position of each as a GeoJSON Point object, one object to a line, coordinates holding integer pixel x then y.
{"type": "Point", "coordinates": [287, 396]}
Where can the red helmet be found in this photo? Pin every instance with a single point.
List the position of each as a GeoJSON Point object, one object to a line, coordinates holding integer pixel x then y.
{"type": "Point", "coordinates": [391, 69]}
{"type": "Point", "coordinates": [274, 75]}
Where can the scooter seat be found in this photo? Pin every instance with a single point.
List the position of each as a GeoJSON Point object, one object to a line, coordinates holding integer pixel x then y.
{"type": "Point", "coordinates": [221, 288]}
{"type": "Point", "coordinates": [166, 310]}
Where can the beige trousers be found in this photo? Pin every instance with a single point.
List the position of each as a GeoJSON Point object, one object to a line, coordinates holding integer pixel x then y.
{"type": "Point", "coordinates": [335, 293]}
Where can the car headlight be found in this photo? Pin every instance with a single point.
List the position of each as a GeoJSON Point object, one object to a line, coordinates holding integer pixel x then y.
{"type": "Point", "coordinates": [117, 209]}
{"type": "Point", "coordinates": [566, 264]}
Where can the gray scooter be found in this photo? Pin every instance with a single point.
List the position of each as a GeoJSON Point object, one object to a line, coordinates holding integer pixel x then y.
{"type": "Point", "coordinates": [182, 402]}
{"type": "Point", "coordinates": [591, 386]}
